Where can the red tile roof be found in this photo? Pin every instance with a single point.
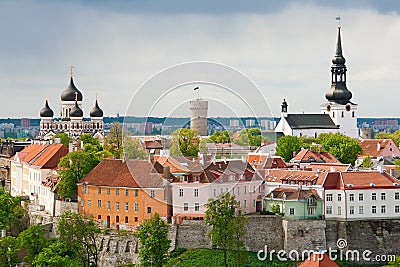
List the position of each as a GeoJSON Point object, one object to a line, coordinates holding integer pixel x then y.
{"type": "Point", "coordinates": [379, 147]}
{"type": "Point", "coordinates": [132, 174]}
{"type": "Point", "coordinates": [306, 155]}
{"type": "Point", "coordinates": [318, 260]}
{"type": "Point", "coordinates": [360, 180]}
{"type": "Point", "coordinates": [43, 156]}
{"type": "Point", "coordinates": [329, 167]}
{"type": "Point", "coordinates": [174, 165]}
{"type": "Point", "coordinates": [285, 176]}
{"type": "Point", "coordinates": [294, 194]}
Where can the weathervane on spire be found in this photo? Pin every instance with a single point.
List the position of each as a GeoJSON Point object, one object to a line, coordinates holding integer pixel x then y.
{"type": "Point", "coordinates": [198, 92]}
{"type": "Point", "coordinates": [70, 72]}
{"type": "Point", "coordinates": [338, 18]}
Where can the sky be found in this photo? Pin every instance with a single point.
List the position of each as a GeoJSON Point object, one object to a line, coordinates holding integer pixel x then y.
{"type": "Point", "coordinates": [143, 58]}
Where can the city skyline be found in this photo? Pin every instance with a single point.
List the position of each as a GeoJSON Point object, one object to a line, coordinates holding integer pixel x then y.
{"type": "Point", "coordinates": [285, 48]}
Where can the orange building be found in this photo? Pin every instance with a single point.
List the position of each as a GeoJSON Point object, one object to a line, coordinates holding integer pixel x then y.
{"type": "Point", "coordinates": [121, 194]}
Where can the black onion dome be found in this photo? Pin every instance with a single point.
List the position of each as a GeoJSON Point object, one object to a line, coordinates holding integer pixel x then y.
{"type": "Point", "coordinates": [96, 111]}
{"type": "Point", "coordinates": [339, 93]}
{"type": "Point", "coordinates": [69, 94]}
{"type": "Point", "coordinates": [76, 111]}
{"type": "Point", "coordinates": [46, 111]}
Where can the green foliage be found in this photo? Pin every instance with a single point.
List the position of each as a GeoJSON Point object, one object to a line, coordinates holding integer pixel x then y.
{"type": "Point", "coordinates": [73, 167]}
{"type": "Point", "coordinates": [80, 233]}
{"type": "Point", "coordinates": [344, 148]}
{"type": "Point", "coordinates": [65, 139]}
{"type": "Point", "coordinates": [394, 136]}
{"type": "Point", "coordinates": [134, 149]}
{"type": "Point", "coordinates": [184, 142]}
{"type": "Point", "coordinates": [32, 241]}
{"type": "Point", "coordinates": [12, 214]}
{"type": "Point", "coordinates": [396, 262]}
{"type": "Point", "coordinates": [221, 136]}
{"type": "Point", "coordinates": [249, 137]}
{"type": "Point", "coordinates": [367, 162]}
{"type": "Point", "coordinates": [154, 242]}
{"type": "Point", "coordinates": [8, 251]}
{"type": "Point", "coordinates": [275, 208]}
{"type": "Point", "coordinates": [113, 141]}
{"type": "Point", "coordinates": [227, 223]}
{"type": "Point", "coordinates": [57, 254]}
{"type": "Point", "coordinates": [287, 146]}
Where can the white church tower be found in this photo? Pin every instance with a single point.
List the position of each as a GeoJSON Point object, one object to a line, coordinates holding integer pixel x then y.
{"type": "Point", "coordinates": [342, 111]}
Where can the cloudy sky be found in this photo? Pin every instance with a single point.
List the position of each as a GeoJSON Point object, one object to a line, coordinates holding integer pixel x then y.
{"type": "Point", "coordinates": [145, 57]}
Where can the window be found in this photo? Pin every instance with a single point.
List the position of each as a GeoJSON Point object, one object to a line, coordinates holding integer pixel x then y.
{"type": "Point", "coordinates": [99, 203]}
{"type": "Point", "coordinates": [360, 197]}
{"type": "Point", "coordinates": [108, 190]}
{"type": "Point", "coordinates": [89, 203]}
{"type": "Point", "coordinates": [245, 203]}
{"type": "Point", "coordinates": [333, 114]}
{"type": "Point", "coordinates": [339, 210]}
{"type": "Point", "coordinates": [383, 209]}
{"type": "Point", "coordinates": [373, 196]}
{"type": "Point", "coordinates": [351, 209]}
{"type": "Point", "coordinates": [84, 189]}
{"type": "Point", "coordinates": [148, 209]}
{"type": "Point", "coordinates": [342, 114]}
{"type": "Point", "coordinates": [117, 205]}
{"type": "Point", "coordinates": [117, 219]}
{"type": "Point", "coordinates": [383, 196]}
{"type": "Point", "coordinates": [126, 192]}
{"type": "Point", "coordinates": [136, 207]}
{"type": "Point", "coordinates": [136, 219]}
{"type": "Point", "coordinates": [254, 203]}
{"type": "Point", "coordinates": [396, 209]}
{"type": "Point", "coordinates": [339, 197]}
{"type": "Point", "coordinates": [238, 191]}
{"type": "Point", "coordinates": [99, 217]}
{"type": "Point", "coordinates": [215, 192]}
{"type": "Point", "coordinates": [151, 193]}
{"type": "Point", "coordinates": [311, 201]}
{"type": "Point", "coordinates": [126, 206]}
{"type": "Point", "coordinates": [329, 197]}
{"type": "Point", "coordinates": [185, 206]}
{"type": "Point", "coordinates": [117, 191]}
{"type": "Point", "coordinates": [136, 192]}
{"type": "Point", "coordinates": [196, 192]}
{"type": "Point", "coordinates": [361, 210]}
{"type": "Point", "coordinates": [254, 188]}
{"type": "Point", "coordinates": [196, 207]}
{"type": "Point", "coordinates": [351, 197]}
{"type": "Point", "coordinates": [396, 196]}
{"type": "Point", "coordinates": [108, 205]}
{"type": "Point", "coordinates": [99, 190]}
{"type": "Point", "coordinates": [373, 209]}
{"type": "Point", "coordinates": [291, 211]}
{"type": "Point", "coordinates": [328, 209]}
{"type": "Point", "coordinates": [311, 211]}
{"type": "Point", "coordinates": [126, 219]}
{"type": "Point", "coordinates": [353, 114]}
{"type": "Point", "coordinates": [82, 203]}
{"type": "Point", "coordinates": [245, 190]}
{"type": "Point", "coordinates": [181, 192]}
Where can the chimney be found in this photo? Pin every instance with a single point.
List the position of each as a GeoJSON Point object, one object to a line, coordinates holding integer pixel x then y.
{"type": "Point", "coordinates": [379, 146]}
{"type": "Point", "coordinates": [244, 158]}
{"type": "Point", "coordinates": [332, 169]}
{"type": "Point", "coordinates": [166, 172]}
{"type": "Point", "coordinates": [57, 140]}
{"type": "Point", "coordinates": [124, 157]}
{"type": "Point", "coordinates": [380, 169]}
{"type": "Point", "coordinates": [151, 157]}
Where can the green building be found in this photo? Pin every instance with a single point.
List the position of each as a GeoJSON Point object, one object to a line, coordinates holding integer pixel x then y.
{"type": "Point", "coordinates": [295, 204]}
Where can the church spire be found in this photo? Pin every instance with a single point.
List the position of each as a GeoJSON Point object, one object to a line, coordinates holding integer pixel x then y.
{"type": "Point", "coordinates": [338, 93]}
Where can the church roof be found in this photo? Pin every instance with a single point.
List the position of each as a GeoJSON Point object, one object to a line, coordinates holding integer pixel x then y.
{"type": "Point", "coordinates": [46, 111]}
{"type": "Point", "coordinates": [76, 111]}
{"type": "Point", "coordinates": [96, 111]}
{"type": "Point", "coordinates": [69, 94]}
{"type": "Point", "coordinates": [312, 121]}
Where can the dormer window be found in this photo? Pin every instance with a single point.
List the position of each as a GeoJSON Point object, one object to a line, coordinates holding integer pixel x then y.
{"type": "Point", "coordinates": [311, 201]}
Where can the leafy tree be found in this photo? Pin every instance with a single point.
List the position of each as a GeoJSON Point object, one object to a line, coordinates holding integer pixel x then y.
{"type": "Point", "coordinates": [57, 254]}
{"type": "Point", "coordinates": [80, 233]}
{"type": "Point", "coordinates": [287, 146]}
{"type": "Point", "coordinates": [394, 136]}
{"type": "Point", "coordinates": [32, 241]}
{"type": "Point", "coordinates": [275, 208]}
{"type": "Point", "coordinates": [65, 139]}
{"type": "Point", "coordinates": [8, 251]}
{"type": "Point", "coordinates": [113, 141]}
{"type": "Point", "coordinates": [73, 167]}
{"type": "Point", "coordinates": [250, 137]}
{"type": "Point", "coordinates": [396, 262]}
{"type": "Point", "coordinates": [227, 224]}
{"type": "Point", "coordinates": [344, 148]}
{"type": "Point", "coordinates": [12, 214]}
{"type": "Point", "coordinates": [134, 149]}
{"type": "Point", "coordinates": [238, 251]}
{"type": "Point", "coordinates": [185, 142]}
{"type": "Point", "coordinates": [87, 138]}
{"type": "Point", "coordinates": [367, 162]}
{"type": "Point", "coordinates": [153, 237]}
{"type": "Point", "coordinates": [221, 136]}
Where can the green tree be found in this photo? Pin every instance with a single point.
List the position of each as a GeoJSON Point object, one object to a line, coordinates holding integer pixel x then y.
{"type": "Point", "coordinates": [8, 251]}
{"type": "Point", "coordinates": [32, 241]}
{"type": "Point", "coordinates": [394, 136]}
{"type": "Point", "coordinates": [113, 141]}
{"type": "Point", "coordinates": [287, 146]}
{"type": "Point", "coordinates": [367, 162]}
{"type": "Point", "coordinates": [227, 226]}
{"type": "Point", "coordinates": [238, 251]}
{"type": "Point", "coordinates": [250, 137]}
{"type": "Point", "coordinates": [12, 214]}
{"type": "Point", "coordinates": [134, 149]}
{"type": "Point", "coordinates": [396, 262]}
{"type": "Point", "coordinates": [185, 142]}
{"type": "Point", "coordinates": [80, 233]}
{"type": "Point", "coordinates": [58, 254]}
{"type": "Point", "coordinates": [154, 242]}
{"type": "Point", "coordinates": [65, 139]}
{"type": "Point", "coordinates": [73, 167]}
{"type": "Point", "coordinates": [344, 148]}
{"type": "Point", "coordinates": [221, 136]}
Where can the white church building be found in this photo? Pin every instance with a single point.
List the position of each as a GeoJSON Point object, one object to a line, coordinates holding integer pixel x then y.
{"type": "Point", "coordinates": [338, 114]}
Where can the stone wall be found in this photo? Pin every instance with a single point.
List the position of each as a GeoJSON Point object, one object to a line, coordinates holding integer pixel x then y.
{"type": "Point", "coordinates": [117, 250]}
{"type": "Point", "coordinates": [192, 234]}
{"type": "Point", "coordinates": [62, 206]}
{"type": "Point", "coordinates": [301, 235]}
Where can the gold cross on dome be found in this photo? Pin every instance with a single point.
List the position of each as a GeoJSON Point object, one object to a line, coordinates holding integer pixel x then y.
{"type": "Point", "coordinates": [70, 72]}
